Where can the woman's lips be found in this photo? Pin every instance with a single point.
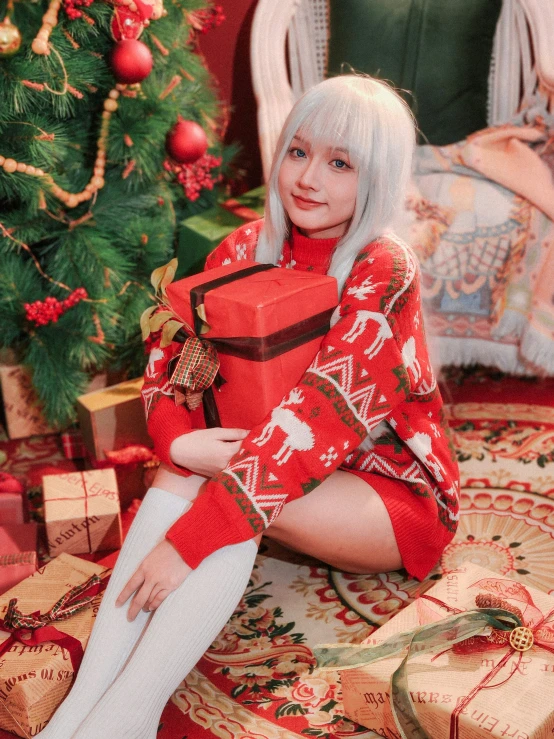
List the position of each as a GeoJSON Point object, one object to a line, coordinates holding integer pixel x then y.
{"type": "Point", "coordinates": [305, 204]}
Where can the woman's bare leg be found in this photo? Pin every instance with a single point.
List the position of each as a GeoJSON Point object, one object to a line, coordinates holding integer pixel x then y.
{"type": "Point", "coordinates": [344, 523]}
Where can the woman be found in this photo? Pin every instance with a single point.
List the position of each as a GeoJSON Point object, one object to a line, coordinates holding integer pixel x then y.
{"type": "Point", "coordinates": [379, 487]}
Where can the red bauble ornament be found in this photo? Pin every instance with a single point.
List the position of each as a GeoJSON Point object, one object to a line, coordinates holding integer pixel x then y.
{"type": "Point", "coordinates": [186, 142]}
{"type": "Point", "coordinates": [131, 61]}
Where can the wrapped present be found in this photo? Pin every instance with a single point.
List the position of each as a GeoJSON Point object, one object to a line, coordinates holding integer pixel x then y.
{"type": "Point", "coordinates": [73, 444]}
{"type": "Point", "coordinates": [45, 624]}
{"type": "Point", "coordinates": [134, 468]}
{"type": "Point", "coordinates": [11, 500]}
{"type": "Point", "coordinates": [15, 567]}
{"type": "Point", "coordinates": [260, 325]}
{"type": "Point", "coordinates": [11, 508]}
{"type": "Point", "coordinates": [113, 418]}
{"type": "Point", "coordinates": [21, 405]}
{"type": "Point", "coordinates": [200, 234]}
{"type": "Point", "coordinates": [18, 556]}
{"type": "Point", "coordinates": [22, 408]}
{"type": "Point", "coordinates": [18, 538]}
{"type": "Point", "coordinates": [82, 512]}
{"type": "Point", "coordinates": [473, 657]}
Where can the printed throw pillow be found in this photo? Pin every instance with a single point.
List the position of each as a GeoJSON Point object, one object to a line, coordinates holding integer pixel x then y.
{"type": "Point", "coordinates": [437, 51]}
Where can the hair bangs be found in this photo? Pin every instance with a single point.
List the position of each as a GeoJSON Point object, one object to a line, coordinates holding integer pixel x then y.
{"type": "Point", "coordinates": [335, 123]}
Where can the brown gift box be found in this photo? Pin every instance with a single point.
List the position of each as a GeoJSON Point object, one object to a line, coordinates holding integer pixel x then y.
{"type": "Point", "coordinates": [113, 418]}
{"type": "Point", "coordinates": [443, 683]}
{"type": "Point", "coordinates": [81, 511]}
{"type": "Point", "coordinates": [35, 679]}
{"type": "Point", "coordinates": [21, 406]}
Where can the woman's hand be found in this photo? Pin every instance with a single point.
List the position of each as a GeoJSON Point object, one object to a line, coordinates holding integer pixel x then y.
{"type": "Point", "coordinates": [161, 572]}
{"type": "Point", "coordinates": [206, 451]}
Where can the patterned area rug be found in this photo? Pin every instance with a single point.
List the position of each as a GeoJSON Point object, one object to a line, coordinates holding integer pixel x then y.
{"type": "Point", "coordinates": [255, 681]}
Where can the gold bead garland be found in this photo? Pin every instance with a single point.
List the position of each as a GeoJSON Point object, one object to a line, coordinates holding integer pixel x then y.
{"type": "Point", "coordinates": [49, 22]}
{"type": "Point", "coordinates": [72, 200]}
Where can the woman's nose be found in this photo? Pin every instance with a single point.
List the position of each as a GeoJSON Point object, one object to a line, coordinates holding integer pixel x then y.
{"type": "Point", "coordinates": [308, 178]}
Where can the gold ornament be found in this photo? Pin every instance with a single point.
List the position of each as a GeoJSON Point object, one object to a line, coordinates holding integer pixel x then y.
{"type": "Point", "coordinates": [521, 638]}
{"type": "Point", "coordinates": [10, 38]}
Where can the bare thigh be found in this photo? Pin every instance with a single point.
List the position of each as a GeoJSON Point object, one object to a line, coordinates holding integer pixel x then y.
{"type": "Point", "coordinates": [344, 523]}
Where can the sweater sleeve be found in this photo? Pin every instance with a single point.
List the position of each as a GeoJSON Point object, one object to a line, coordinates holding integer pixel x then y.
{"type": "Point", "coordinates": [355, 381]}
{"type": "Point", "coordinates": [166, 420]}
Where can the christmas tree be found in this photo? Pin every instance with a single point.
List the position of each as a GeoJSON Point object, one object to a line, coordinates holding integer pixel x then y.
{"type": "Point", "coordinates": [107, 141]}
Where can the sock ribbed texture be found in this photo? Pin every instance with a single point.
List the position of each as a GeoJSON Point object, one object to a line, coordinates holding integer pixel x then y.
{"type": "Point", "coordinates": [113, 637]}
{"type": "Point", "coordinates": [180, 631]}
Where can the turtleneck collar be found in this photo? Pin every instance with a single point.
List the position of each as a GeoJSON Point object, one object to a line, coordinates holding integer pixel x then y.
{"type": "Point", "coordinates": [313, 255]}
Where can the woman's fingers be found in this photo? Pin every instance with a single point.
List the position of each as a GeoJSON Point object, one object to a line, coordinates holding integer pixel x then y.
{"type": "Point", "coordinates": [135, 582]}
{"type": "Point", "coordinates": [139, 600]}
{"type": "Point", "coordinates": [159, 599]}
{"type": "Point", "coordinates": [231, 434]}
{"type": "Point", "coordinates": [155, 590]}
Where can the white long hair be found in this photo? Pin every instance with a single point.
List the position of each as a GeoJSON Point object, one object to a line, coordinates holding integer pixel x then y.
{"type": "Point", "coordinates": [367, 118]}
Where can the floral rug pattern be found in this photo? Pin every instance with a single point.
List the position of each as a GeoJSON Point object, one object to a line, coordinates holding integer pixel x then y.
{"type": "Point", "coordinates": [256, 680]}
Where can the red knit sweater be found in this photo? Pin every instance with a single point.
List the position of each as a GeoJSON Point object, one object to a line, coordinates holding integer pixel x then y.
{"type": "Point", "coordinates": [368, 402]}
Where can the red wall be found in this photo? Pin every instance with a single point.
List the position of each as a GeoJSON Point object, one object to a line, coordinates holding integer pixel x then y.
{"type": "Point", "coordinates": [227, 53]}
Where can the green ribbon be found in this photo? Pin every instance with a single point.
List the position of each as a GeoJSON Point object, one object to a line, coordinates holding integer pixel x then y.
{"type": "Point", "coordinates": [426, 638]}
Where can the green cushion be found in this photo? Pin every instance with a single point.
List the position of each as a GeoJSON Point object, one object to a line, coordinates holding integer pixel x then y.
{"type": "Point", "coordinates": [437, 50]}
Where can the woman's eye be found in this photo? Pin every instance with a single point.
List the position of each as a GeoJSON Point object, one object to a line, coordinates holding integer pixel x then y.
{"type": "Point", "coordinates": [340, 164]}
{"type": "Point", "coordinates": [296, 152]}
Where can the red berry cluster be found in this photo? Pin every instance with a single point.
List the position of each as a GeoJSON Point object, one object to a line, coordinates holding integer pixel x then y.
{"type": "Point", "coordinates": [72, 8]}
{"type": "Point", "coordinates": [211, 18]}
{"type": "Point", "coordinates": [42, 312]}
{"type": "Point", "coordinates": [196, 176]}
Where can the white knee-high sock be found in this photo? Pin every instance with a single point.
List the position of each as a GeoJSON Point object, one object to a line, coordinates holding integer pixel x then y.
{"type": "Point", "coordinates": [181, 630]}
{"type": "Point", "coordinates": [113, 637]}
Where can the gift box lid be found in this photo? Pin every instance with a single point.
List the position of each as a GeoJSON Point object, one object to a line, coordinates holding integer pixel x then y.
{"type": "Point", "coordinates": [265, 302]}
{"type": "Point", "coordinates": [114, 395]}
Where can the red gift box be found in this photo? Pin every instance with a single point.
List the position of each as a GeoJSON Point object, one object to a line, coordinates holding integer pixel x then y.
{"type": "Point", "coordinates": [18, 538]}
{"type": "Point", "coordinates": [73, 444]}
{"type": "Point", "coordinates": [11, 508]}
{"type": "Point", "coordinates": [266, 324]}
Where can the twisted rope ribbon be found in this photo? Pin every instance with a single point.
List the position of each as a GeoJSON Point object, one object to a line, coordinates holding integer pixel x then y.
{"type": "Point", "coordinates": [35, 628]}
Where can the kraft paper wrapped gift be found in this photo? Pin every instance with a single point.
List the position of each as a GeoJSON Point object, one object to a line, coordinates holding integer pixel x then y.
{"type": "Point", "coordinates": [200, 234]}
{"type": "Point", "coordinates": [112, 418]}
{"type": "Point", "coordinates": [492, 683]}
{"type": "Point", "coordinates": [22, 409]}
{"type": "Point", "coordinates": [266, 324]}
{"type": "Point", "coordinates": [82, 512]}
{"type": "Point", "coordinates": [21, 406]}
{"type": "Point", "coordinates": [40, 654]}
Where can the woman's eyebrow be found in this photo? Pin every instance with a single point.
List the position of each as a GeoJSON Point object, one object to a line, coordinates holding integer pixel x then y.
{"type": "Point", "coordinates": [339, 148]}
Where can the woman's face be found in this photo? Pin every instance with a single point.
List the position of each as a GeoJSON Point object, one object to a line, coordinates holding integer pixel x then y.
{"type": "Point", "coordinates": [318, 187]}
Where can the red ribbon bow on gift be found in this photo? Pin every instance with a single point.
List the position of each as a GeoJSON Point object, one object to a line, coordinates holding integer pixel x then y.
{"type": "Point", "coordinates": [33, 629]}
{"type": "Point", "coordinates": [537, 631]}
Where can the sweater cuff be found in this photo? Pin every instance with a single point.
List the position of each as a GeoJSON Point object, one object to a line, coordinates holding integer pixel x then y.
{"type": "Point", "coordinates": [204, 529]}
{"type": "Point", "coordinates": [165, 425]}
